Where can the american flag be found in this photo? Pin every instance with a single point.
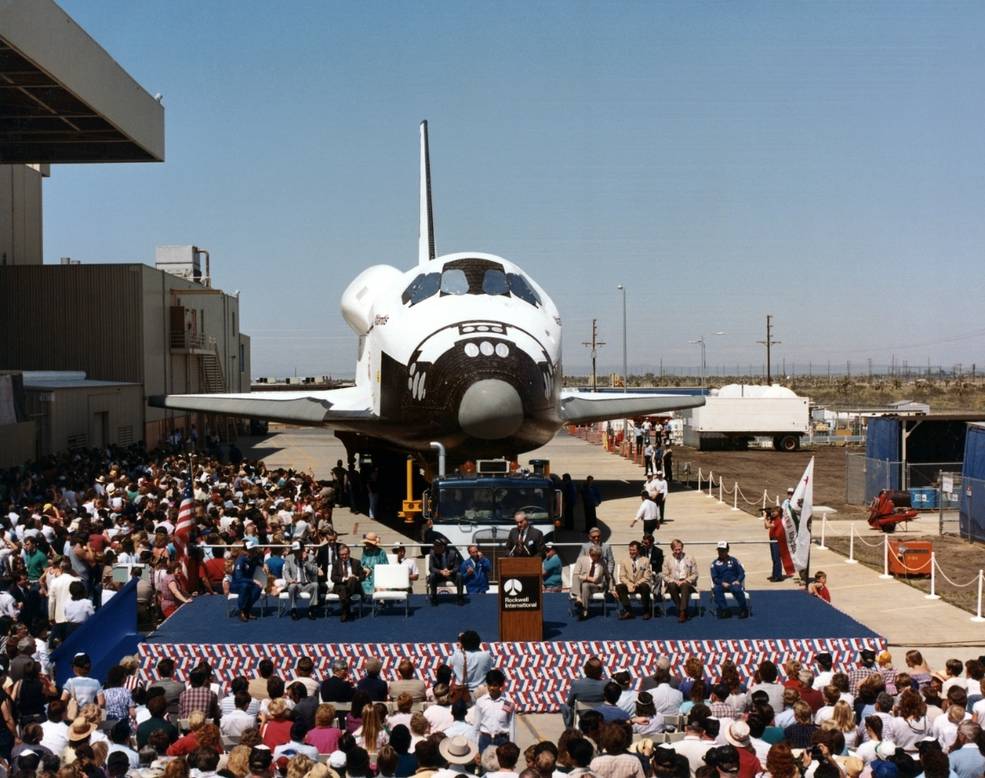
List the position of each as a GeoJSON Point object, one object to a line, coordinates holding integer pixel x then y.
{"type": "Point", "coordinates": [186, 523]}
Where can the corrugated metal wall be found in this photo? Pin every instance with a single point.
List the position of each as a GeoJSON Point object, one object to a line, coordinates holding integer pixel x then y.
{"type": "Point", "coordinates": [73, 418]}
{"type": "Point", "coordinates": [74, 317]}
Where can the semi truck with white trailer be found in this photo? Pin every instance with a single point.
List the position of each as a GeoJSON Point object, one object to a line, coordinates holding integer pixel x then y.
{"type": "Point", "coordinates": [737, 413]}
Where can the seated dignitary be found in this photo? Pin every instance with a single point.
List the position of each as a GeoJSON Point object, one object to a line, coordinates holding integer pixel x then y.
{"type": "Point", "coordinates": [680, 577]}
{"type": "Point", "coordinates": [300, 576]}
{"type": "Point", "coordinates": [727, 575]}
{"type": "Point", "coordinates": [347, 576]}
{"type": "Point", "coordinates": [635, 576]}
{"type": "Point", "coordinates": [444, 565]}
{"type": "Point", "coordinates": [588, 577]}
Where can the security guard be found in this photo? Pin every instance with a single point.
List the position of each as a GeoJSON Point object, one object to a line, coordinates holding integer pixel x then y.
{"type": "Point", "coordinates": [727, 575]}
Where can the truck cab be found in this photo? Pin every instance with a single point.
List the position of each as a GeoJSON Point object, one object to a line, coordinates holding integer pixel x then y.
{"type": "Point", "coordinates": [478, 507]}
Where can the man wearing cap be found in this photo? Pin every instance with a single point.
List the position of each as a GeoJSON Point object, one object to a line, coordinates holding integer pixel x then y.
{"type": "Point", "coordinates": [301, 577]}
{"type": "Point", "coordinates": [243, 584]}
{"type": "Point", "coordinates": [727, 575]}
{"type": "Point", "coordinates": [475, 571]}
{"type": "Point", "coordinates": [551, 569]}
{"type": "Point", "coordinates": [866, 668]}
{"type": "Point", "coordinates": [400, 551]}
{"type": "Point", "coordinates": [444, 564]}
{"type": "Point", "coordinates": [635, 577]}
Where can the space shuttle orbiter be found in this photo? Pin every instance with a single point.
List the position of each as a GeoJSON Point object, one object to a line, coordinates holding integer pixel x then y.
{"type": "Point", "coordinates": [463, 349]}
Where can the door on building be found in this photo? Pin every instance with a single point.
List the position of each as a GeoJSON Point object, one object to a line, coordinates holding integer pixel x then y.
{"type": "Point", "coordinates": [99, 431]}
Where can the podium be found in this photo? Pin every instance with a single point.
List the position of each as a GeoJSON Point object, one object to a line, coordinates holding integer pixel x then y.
{"type": "Point", "coordinates": [521, 598]}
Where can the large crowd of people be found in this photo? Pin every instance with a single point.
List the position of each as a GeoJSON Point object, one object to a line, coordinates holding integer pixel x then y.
{"type": "Point", "coordinates": [69, 521]}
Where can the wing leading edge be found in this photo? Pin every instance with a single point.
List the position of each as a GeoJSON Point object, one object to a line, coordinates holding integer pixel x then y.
{"type": "Point", "coordinates": [582, 407]}
{"type": "Point", "coordinates": [344, 406]}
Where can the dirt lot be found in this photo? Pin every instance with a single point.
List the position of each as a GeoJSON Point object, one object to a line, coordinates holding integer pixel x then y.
{"type": "Point", "coordinates": [774, 471]}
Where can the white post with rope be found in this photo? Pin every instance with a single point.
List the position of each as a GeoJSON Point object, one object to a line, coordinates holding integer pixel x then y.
{"type": "Point", "coordinates": [711, 482]}
{"type": "Point", "coordinates": [933, 578]}
{"type": "Point", "coordinates": [824, 527]}
{"type": "Point", "coordinates": [978, 618]}
{"type": "Point", "coordinates": [851, 546]}
{"type": "Point", "coordinates": [765, 498]}
{"type": "Point", "coordinates": [720, 482]}
{"type": "Point", "coordinates": [885, 558]}
{"type": "Point", "coordinates": [699, 479]}
{"type": "Point", "coordinates": [776, 501]}
{"type": "Point", "coordinates": [735, 497]}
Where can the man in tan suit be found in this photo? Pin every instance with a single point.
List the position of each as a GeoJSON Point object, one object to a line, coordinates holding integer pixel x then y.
{"type": "Point", "coordinates": [680, 576]}
{"type": "Point", "coordinates": [588, 576]}
{"type": "Point", "coordinates": [635, 577]}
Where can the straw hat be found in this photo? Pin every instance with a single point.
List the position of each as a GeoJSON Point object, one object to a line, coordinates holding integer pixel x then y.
{"type": "Point", "coordinates": [371, 539]}
{"type": "Point", "coordinates": [458, 750]}
{"type": "Point", "coordinates": [80, 730]}
{"type": "Point", "coordinates": [738, 734]}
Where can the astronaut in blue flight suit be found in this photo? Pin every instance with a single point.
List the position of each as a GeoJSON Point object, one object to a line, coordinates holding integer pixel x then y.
{"type": "Point", "coordinates": [727, 575]}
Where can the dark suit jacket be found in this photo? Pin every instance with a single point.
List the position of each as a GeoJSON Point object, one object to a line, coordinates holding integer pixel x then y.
{"type": "Point", "coordinates": [585, 690]}
{"type": "Point", "coordinates": [336, 689]}
{"type": "Point", "coordinates": [450, 560]}
{"type": "Point", "coordinates": [533, 544]}
{"type": "Point", "coordinates": [357, 570]}
{"type": "Point", "coordinates": [374, 686]}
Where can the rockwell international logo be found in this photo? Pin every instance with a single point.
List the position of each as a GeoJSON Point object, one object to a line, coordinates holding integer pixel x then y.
{"type": "Point", "coordinates": [520, 593]}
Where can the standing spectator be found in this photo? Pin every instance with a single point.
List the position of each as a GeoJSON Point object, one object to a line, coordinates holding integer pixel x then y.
{"type": "Point", "coordinates": [773, 524]}
{"type": "Point", "coordinates": [494, 713]}
{"type": "Point", "coordinates": [648, 513]}
{"type": "Point", "coordinates": [591, 498]}
{"type": "Point", "coordinates": [469, 663]}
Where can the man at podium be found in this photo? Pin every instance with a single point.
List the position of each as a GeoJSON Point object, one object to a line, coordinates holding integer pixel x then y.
{"type": "Point", "coordinates": [523, 539]}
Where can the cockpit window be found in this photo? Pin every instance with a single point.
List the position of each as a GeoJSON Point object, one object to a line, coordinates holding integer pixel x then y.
{"type": "Point", "coordinates": [421, 288]}
{"type": "Point", "coordinates": [494, 282]}
{"type": "Point", "coordinates": [520, 287]}
{"type": "Point", "coordinates": [454, 281]}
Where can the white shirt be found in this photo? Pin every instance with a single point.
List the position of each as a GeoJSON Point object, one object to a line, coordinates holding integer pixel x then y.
{"type": "Point", "coordinates": [823, 714]}
{"type": "Point", "coordinates": [647, 511]}
{"type": "Point", "coordinates": [494, 717]}
{"type": "Point", "coordinates": [439, 717]}
{"type": "Point", "coordinates": [292, 748]}
{"type": "Point", "coordinates": [411, 565]}
{"type": "Point", "coordinates": [77, 611]}
{"type": "Point", "coordinates": [693, 748]}
{"type": "Point", "coordinates": [667, 700]}
{"type": "Point", "coordinates": [822, 679]}
{"type": "Point", "coordinates": [58, 596]}
{"type": "Point", "coordinates": [132, 755]}
{"type": "Point", "coordinates": [55, 736]}
{"type": "Point", "coordinates": [8, 605]}
{"type": "Point", "coordinates": [234, 724]}
{"type": "Point", "coordinates": [978, 711]}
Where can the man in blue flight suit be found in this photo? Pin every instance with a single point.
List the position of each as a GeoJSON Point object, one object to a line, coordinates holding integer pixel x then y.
{"type": "Point", "coordinates": [243, 584]}
{"type": "Point", "coordinates": [727, 575]}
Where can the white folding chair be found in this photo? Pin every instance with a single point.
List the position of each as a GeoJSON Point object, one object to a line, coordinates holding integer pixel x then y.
{"type": "Point", "coordinates": [597, 597]}
{"type": "Point", "coordinates": [284, 596]}
{"type": "Point", "coordinates": [390, 584]}
{"type": "Point", "coordinates": [694, 602]}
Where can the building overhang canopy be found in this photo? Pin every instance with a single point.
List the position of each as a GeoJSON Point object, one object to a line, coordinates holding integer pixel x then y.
{"type": "Point", "coordinates": [63, 98]}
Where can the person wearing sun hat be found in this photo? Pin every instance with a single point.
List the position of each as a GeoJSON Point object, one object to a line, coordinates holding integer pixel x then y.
{"type": "Point", "coordinates": [372, 556]}
{"type": "Point", "coordinates": [459, 752]}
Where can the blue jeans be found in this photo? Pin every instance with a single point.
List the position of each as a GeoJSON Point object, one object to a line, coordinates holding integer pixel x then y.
{"type": "Point", "coordinates": [775, 556]}
{"type": "Point", "coordinates": [486, 740]}
{"type": "Point", "coordinates": [719, 593]}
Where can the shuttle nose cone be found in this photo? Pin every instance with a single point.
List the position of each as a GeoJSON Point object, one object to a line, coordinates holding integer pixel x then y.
{"type": "Point", "coordinates": [490, 409]}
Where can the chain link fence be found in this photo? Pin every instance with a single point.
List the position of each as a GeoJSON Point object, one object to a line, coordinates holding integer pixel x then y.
{"type": "Point", "coordinates": [866, 477]}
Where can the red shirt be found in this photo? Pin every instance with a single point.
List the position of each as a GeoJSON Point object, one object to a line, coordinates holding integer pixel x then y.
{"type": "Point", "coordinates": [749, 765]}
{"type": "Point", "coordinates": [215, 570]}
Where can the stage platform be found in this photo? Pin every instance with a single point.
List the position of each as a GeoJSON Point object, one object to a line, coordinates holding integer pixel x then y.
{"type": "Point", "coordinates": [783, 623]}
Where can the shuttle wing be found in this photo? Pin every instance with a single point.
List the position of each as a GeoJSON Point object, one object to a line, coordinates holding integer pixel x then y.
{"type": "Point", "coordinates": [349, 405]}
{"type": "Point", "coordinates": [581, 407]}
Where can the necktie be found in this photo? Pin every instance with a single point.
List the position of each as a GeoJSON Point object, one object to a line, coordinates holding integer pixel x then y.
{"type": "Point", "coordinates": [591, 573]}
{"type": "Point", "coordinates": [301, 573]}
{"type": "Point", "coordinates": [634, 567]}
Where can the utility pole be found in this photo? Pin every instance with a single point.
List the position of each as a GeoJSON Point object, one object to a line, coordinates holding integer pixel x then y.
{"type": "Point", "coordinates": [594, 344]}
{"type": "Point", "coordinates": [769, 343]}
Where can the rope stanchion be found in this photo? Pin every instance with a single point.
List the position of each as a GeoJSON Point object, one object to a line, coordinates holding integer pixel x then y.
{"type": "Point", "coordinates": [885, 558]}
{"type": "Point", "coordinates": [699, 479]}
{"type": "Point", "coordinates": [711, 482]}
{"type": "Point", "coordinates": [978, 618]}
{"type": "Point", "coordinates": [933, 578]}
{"type": "Point", "coordinates": [765, 498]}
{"type": "Point", "coordinates": [776, 501]}
{"type": "Point", "coordinates": [735, 497]}
{"type": "Point", "coordinates": [720, 482]}
{"type": "Point", "coordinates": [851, 546]}
{"type": "Point", "coordinates": [824, 527]}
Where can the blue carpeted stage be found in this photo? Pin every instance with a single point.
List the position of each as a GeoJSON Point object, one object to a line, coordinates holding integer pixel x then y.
{"type": "Point", "coordinates": [783, 623]}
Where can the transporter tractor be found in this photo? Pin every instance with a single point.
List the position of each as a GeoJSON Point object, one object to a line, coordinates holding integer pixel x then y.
{"type": "Point", "coordinates": [477, 505]}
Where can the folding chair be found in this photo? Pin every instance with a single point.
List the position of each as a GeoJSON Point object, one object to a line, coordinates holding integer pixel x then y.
{"type": "Point", "coordinates": [390, 584]}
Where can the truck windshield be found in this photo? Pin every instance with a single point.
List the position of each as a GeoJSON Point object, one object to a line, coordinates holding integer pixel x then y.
{"type": "Point", "coordinates": [493, 504]}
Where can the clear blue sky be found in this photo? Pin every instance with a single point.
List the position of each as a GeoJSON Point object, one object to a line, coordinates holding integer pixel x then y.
{"type": "Point", "coordinates": [823, 162]}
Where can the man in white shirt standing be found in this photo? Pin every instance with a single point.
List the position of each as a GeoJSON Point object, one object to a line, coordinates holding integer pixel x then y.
{"type": "Point", "coordinates": [494, 713]}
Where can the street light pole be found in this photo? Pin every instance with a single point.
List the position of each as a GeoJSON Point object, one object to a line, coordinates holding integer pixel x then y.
{"type": "Point", "coordinates": [625, 368]}
{"type": "Point", "coordinates": [701, 340]}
